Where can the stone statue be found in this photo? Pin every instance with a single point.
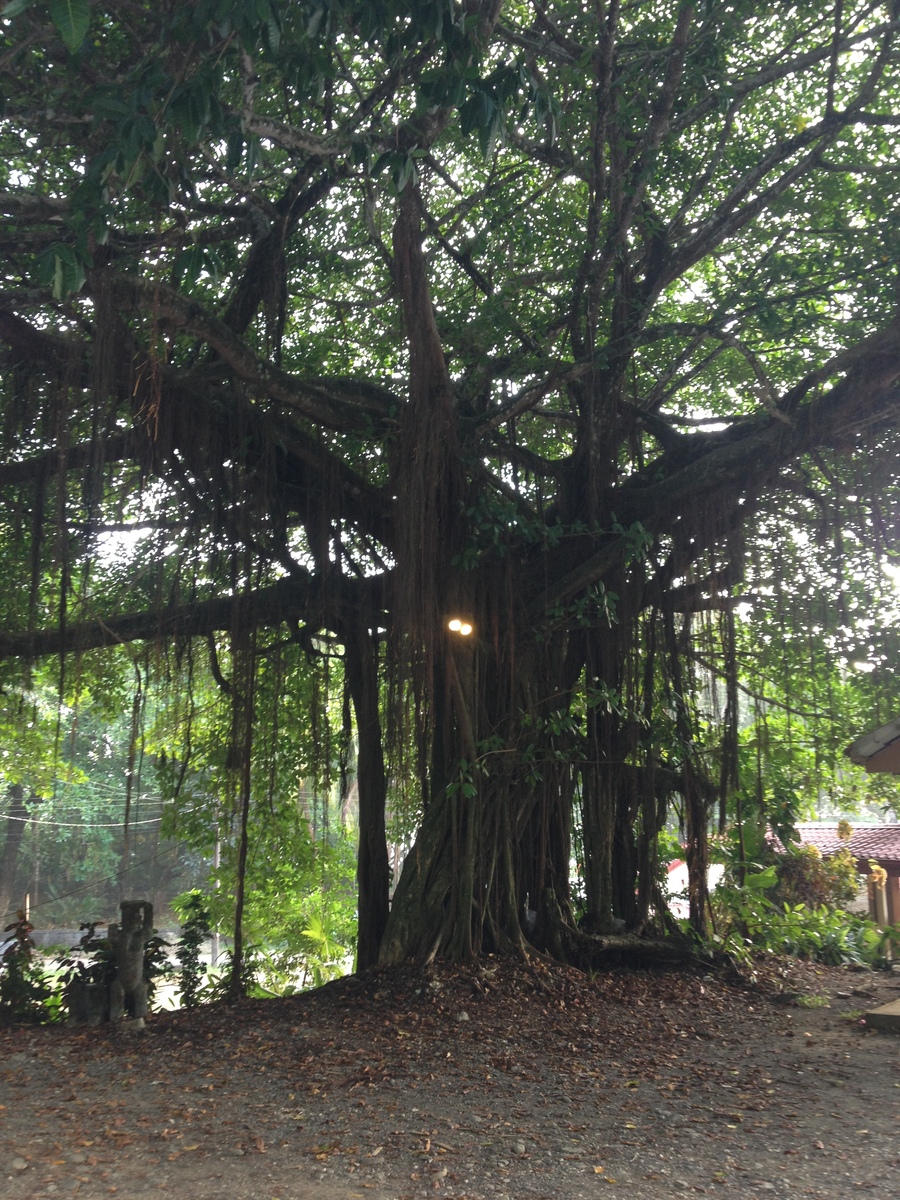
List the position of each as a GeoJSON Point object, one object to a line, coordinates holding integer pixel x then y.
{"type": "Point", "coordinates": [128, 989]}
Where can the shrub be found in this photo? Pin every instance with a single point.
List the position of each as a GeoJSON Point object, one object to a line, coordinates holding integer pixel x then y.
{"type": "Point", "coordinates": [748, 919]}
{"type": "Point", "coordinates": [194, 932]}
{"type": "Point", "coordinates": [24, 984]}
{"type": "Point", "coordinates": [804, 877]}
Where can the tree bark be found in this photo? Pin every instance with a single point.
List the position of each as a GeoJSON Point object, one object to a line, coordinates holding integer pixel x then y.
{"type": "Point", "coordinates": [243, 687]}
{"type": "Point", "coordinates": [15, 832]}
{"type": "Point", "coordinates": [373, 868]}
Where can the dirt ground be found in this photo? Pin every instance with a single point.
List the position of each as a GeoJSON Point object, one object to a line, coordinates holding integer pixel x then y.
{"type": "Point", "coordinates": [511, 1081]}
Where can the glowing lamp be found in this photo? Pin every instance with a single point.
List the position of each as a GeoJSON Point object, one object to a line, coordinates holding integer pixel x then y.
{"type": "Point", "coordinates": [457, 625]}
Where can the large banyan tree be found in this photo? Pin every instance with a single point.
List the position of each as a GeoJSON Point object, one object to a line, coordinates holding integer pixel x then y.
{"type": "Point", "coordinates": [522, 350]}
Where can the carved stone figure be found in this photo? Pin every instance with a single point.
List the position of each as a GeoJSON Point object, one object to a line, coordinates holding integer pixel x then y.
{"type": "Point", "coordinates": [128, 990]}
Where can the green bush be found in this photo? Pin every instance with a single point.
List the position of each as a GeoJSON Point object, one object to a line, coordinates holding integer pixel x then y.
{"type": "Point", "coordinates": [804, 877]}
{"type": "Point", "coordinates": [195, 930]}
{"type": "Point", "coordinates": [825, 935]}
{"type": "Point", "coordinates": [748, 919]}
{"type": "Point", "coordinates": [25, 986]}
{"type": "Point", "coordinates": [36, 990]}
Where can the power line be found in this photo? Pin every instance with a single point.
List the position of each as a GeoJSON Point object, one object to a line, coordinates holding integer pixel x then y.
{"type": "Point", "coordinates": [91, 884]}
{"type": "Point", "coordinates": [82, 825]}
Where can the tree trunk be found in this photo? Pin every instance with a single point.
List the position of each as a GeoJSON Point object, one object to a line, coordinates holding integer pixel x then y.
{"type": "Point", "coordinates": [495, 841]}
{"type": "Point", "coordinates": [15, 831]}
{"type": "Point", "coordinates": [542, 734]}
{"type": "Point", "coordinates": [373, 868]}
{"type": "Point", "coordinates": [243, 644]}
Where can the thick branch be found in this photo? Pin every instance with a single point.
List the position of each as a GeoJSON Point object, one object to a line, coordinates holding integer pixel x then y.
{"type": "Point", "coordinates": [756, 448]}
{"type": "Point", "coordinates": [290, 600]}
{"type": "Point", "coordinates": [35, 345]}
{"type": "Point", "coordinates": [318, 401]}
{"type": "Point", "coordinates": [748, 456]}
{"type": "Point", "coordinates": [75, 458]}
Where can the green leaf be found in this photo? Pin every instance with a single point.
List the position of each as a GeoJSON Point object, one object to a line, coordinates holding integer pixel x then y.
{"type": "Point", "coordinates": [404, 171]}
{"type": "Point", "coordinates": [61, 268]}
{"type": "Point", "coordinates": [315, 21]}
{"type": "Point", "coordinates": [13, 8]}
{"type": "Point", "coordinates": [361, 153]}
{"type": "Point", "coordinates": [765, 879]}
{"type": "Point", "coordinates": [72, 18]}
{"type": "Point", "coordinates": [273, 27]}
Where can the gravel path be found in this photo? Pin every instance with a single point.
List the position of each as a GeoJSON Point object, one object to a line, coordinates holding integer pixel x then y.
{"type": "Point", "coordinates": [525, 1082]}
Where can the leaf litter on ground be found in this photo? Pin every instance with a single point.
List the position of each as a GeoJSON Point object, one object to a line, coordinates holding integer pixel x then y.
{"type": "Point", "coordinates": [667, 1082]}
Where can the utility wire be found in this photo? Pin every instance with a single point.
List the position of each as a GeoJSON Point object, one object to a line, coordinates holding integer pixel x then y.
{"type": "Point", "coordinates": [82, 825]}
{"type": "Point", "coordinates": [86, 887]}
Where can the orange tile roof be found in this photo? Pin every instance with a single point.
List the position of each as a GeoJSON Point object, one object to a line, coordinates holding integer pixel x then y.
{"type": "Point", "coordinates": [881, 842]}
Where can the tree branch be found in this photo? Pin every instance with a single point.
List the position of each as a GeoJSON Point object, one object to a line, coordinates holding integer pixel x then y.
{"type": "Point", "coordinates": [747, 456]}
{"type": "Point", "coordinates": [305, 598]}
{"type": "Point", "coordinates": [342, 408]}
